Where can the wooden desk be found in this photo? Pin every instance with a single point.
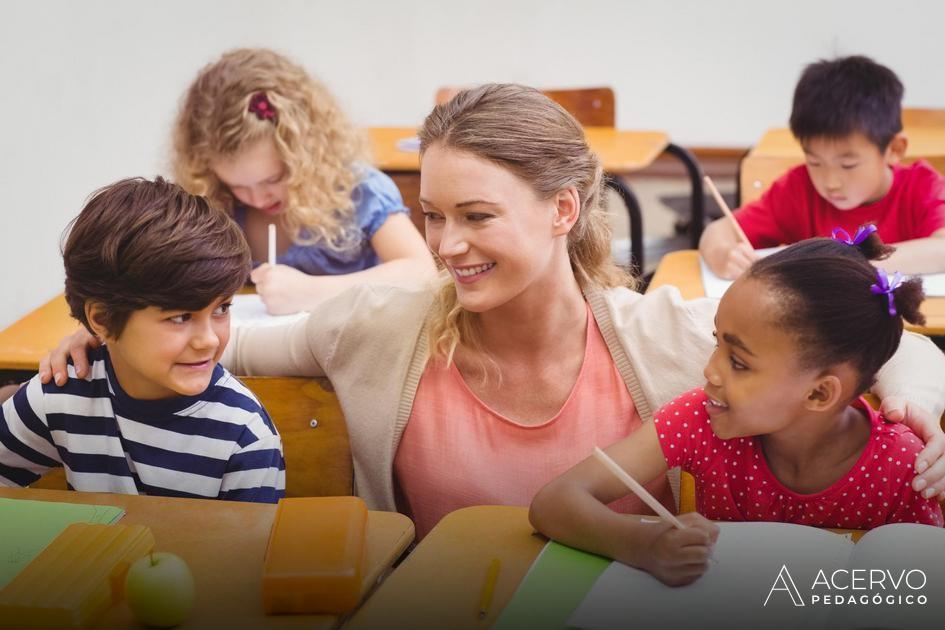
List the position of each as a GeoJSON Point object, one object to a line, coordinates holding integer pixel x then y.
{"type": "Point", "coordinates": [224, 543]}
{"type": "Point", "coordinates": [778, 151]}
{"type": "Point", "coordinates": [620, 151]}
{"type": "Point", "coordinates": [439, 584]}
{"type": "Point", "coordinates": [25, 342]}
{"type": "Point", "coordinates": [681, 269]}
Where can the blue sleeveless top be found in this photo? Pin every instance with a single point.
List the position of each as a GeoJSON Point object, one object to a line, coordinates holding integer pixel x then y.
{"type": "Point", "coordinates": [375, 198]}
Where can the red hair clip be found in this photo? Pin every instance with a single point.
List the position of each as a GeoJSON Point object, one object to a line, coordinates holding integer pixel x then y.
{"type": "Point", "coordinates": [259, 104]}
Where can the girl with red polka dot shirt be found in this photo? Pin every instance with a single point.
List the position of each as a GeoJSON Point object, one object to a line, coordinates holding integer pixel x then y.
{"type": "Point", "coordinates": [779, 431]}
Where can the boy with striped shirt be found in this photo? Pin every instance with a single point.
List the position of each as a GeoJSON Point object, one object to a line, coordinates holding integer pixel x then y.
{"type": "Point", "coordinates": [150, 271]}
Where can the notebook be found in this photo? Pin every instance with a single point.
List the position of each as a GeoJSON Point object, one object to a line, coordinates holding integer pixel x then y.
{"type": "Point", "coordinates": [27, 527]}
{"type": "Point", "coordinates": [778, 575]}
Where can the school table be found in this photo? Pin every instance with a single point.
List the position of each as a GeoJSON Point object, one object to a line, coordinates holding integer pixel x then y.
{"type": "Point", "coordinates": [681, 269]}
{"type": "Point", "coordinates": [439, 584]}
{"type": "Point", "coordinates": [778, 151]}
{"type": "Point", "coordinates": [224, 543]}
{"type": "Point", "coordinates": [25, 341]}
{"type": "Point", "coordinates": [621, 152]}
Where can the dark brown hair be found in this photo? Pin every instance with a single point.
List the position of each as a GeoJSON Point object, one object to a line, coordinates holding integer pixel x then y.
{"type": "Point", "coordinates": [139, 243]}
{"type": "Point", "coordinates": [837, 97]}
{"type": "Point", "coordinates": [825, 301]}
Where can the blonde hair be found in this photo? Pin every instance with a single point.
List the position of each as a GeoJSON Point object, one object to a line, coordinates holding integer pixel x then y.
{"type": "Point", "coordinates": [522, 130]}
{"type": "Point", "coordinates": [316, 142]}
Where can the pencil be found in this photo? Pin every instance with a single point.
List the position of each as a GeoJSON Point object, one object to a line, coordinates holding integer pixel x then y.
{"type": "Point", "coordinates": [272, 243]}
{"type": "Point", "coordinates": [637, 489]}
{"type": "Point", "coordinates": [485, 599]}
{"type": "Point", "coordinates": [739, 232]}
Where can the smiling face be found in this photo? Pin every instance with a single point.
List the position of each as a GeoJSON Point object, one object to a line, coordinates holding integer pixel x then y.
{"type": "Point", "coordinates": [851, 171]}
{"type": "Point", "coordinates": [755, 382]}
{"type": "Point", "coordinates": [161, 354]}
{"type": "Point", "coordinates": [497, 238]}
{"type": "Point", "coordinates": [256, 176]}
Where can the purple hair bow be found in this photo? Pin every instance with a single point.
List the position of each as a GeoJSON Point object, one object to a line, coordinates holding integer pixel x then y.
{"type": "Point", "coordinates": [862, 233]}
{"type": "Point", "coordinates": [885, 286]}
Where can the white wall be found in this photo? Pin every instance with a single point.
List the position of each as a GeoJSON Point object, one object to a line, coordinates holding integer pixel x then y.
{"type": "Point", "coordinates": [90, 88]}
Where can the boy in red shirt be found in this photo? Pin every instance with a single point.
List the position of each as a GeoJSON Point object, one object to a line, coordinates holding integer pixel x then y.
{"type": "Point", "coordinates": [847, 117]}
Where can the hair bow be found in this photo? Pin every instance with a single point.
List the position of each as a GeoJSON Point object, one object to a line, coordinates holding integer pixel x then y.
{"type": "Point", "coordinates": [259, 104]}
{"type": "Point", "coordinates": [862, 233]}
{"type": "Point", "coordinates": [885, 286]}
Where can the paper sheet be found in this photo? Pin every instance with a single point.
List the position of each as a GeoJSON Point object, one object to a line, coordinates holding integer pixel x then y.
{"type": "Point", "coordinates": [27, 527]}
{"type": "Point", "coordinates": [248, 311]}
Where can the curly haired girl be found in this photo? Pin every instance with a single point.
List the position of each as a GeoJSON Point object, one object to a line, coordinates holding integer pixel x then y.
{"type": "Point", "coordinates": [264, 140]}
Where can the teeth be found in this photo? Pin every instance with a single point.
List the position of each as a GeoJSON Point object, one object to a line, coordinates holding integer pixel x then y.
{"type": "Point", "coordinates": [471, 271]}
{"type": "Point", "coordinates": [717, 403]}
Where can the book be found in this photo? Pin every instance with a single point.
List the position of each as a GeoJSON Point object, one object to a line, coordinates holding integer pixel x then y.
{"type": "Point", "coordinates": [27, 527]}
{"type": "Point", "coordinates": [778, 575]}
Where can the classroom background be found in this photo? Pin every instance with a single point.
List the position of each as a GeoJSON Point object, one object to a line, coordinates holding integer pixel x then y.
{"type": "Point", "coordinates": [91, 88]}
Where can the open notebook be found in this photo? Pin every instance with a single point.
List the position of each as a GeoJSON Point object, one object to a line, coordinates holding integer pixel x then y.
{"type": "Point", "coordinates": [777, 575]}
{"type": "Point", "coordinates": [714, 286]}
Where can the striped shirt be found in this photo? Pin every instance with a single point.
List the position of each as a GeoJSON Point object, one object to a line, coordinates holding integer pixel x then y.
{"type": "Point", "coordinates": [218, 444]}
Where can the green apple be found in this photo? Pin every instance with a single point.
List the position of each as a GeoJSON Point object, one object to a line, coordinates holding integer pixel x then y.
{"type": "Point", "coordinates": [159, 589]}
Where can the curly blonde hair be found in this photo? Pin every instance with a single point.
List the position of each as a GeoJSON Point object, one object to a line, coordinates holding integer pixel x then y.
{"type": "Point", "coordinates": [524, 131]}
{"type": "Point", "coordinates": [317, 143]}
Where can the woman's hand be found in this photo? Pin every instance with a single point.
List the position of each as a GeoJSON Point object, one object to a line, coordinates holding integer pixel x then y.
{"type": "Point", "coordinates": [678, 557]}
{"type": "Point", "coordinates": [283, 289]}
{"type": "Point", "coordinates": [53, 365]}
{"type": "Point", "coordinates": [930, 463]}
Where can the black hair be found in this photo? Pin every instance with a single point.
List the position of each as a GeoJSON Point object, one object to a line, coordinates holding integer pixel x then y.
{"type": "Point", "coordinates": [835, 98]}
{"type": "Point", "coordinates": [825, 301]}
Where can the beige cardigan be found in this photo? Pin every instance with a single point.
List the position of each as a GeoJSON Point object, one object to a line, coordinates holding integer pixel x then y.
{"type": "Point", "coordinates": [371, 343]}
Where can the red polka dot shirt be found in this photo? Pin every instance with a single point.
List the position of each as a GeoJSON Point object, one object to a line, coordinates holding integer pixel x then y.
{"type": "Point", "coordinates": [734, 483]}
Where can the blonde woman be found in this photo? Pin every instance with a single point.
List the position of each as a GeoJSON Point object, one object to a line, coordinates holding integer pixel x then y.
{"type": "Point", "coordinates": [261, 138]}
{"type": "Point", "coordinates": [532, 349]}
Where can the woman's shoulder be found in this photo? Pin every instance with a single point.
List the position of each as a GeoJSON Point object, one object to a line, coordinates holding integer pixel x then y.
{"type": "Point", "coordinates": [661, 308]}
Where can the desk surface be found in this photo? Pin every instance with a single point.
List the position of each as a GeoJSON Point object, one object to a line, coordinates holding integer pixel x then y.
{"type": "Point", "coordinates": [924, 142]}
{"type": "Point", "coordinates": [224, 543]}
{"type": "Point", "coordinates": [25, 342]}
{"type": "Point", "coordinates": [439, 584]}
{"type": "Point", "coordinates": [620, 151]}
{"type": "Point", "coordinates": [681, 269]}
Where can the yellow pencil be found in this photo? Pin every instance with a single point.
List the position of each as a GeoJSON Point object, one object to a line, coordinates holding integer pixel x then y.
{"type": "Point", "coordinates": [739, 232]}
{"type": "Point", "coordinates": [485, 600]}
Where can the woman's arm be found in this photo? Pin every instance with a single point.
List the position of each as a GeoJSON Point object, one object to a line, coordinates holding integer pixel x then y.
{"type": "Point", "coordinates": [573, 510]}
{"type": "Point", "coordinates": [406, 261]}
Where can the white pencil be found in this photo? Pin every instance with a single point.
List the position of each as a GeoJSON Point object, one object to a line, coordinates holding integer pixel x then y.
{"type": "Point", "coordinates": [272, 243]}
{"type": "Point", "coordinates": [637, 489]}
{"type": "Point", "coordinates": [739, 232]}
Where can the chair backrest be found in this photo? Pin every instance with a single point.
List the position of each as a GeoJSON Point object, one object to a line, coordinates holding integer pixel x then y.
{"type": "Point", "coordinates": [916, 117]}
{"type": "Point", "coordinates": [317, 458]}
{"type": "Point", "coordinates": [592, 107]}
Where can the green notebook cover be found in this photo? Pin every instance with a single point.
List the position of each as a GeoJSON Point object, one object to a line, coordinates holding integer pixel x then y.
{"type": "Point", "coordinates": [27, 527]}
{"type": "Point", "coordinates": [555, 584]}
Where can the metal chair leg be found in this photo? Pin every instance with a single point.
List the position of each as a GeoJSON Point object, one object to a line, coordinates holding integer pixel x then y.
{"type": "Point", "coordinates": [697, 206]}
{"type": "Point", "coordinates": [636, 221]}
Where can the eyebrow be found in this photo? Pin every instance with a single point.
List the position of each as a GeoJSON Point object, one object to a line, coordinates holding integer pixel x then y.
{"type": "Point", "coordinates": [462, 204]}
{"type": "Point", "coordinates": [735, 341]}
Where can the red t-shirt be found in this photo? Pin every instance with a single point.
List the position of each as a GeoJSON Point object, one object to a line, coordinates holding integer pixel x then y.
{"type": "Point", "coordinates": [734, 483]}
{"type": "Point", "coordinates": [792, 210]}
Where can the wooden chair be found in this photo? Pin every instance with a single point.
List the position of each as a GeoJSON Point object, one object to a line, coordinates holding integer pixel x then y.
{"type": "Point", "coordinates": [920, 117]}
{"type": "Point", "coordinates": [318, 458]}
{"type": "Point", "coordinates": [592, 107]}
